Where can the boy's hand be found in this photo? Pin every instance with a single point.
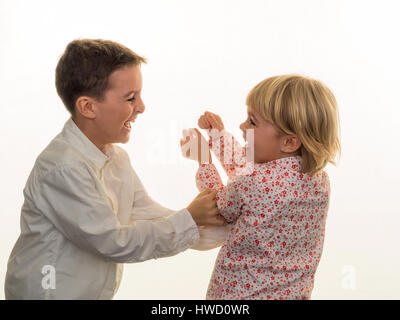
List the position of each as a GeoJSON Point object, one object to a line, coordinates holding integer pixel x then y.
{"type": "Point", "coordinates": [195, 146]}
{"type": "Point", "coordinates": [204, 209]}
{"type": "Point", "coordinates": [210, 120]}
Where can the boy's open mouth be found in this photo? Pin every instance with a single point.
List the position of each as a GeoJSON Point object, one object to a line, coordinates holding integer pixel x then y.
{"type": "Point", "coordinates": [127, 125]}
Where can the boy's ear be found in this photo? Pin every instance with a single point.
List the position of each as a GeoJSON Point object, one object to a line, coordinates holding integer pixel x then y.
{"type": "Point", "coordinates": [85, 106]}
{"type": "Point", "coordinates": [290, 144]}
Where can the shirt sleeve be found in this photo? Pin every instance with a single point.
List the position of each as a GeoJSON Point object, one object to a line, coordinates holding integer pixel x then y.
{"type": "Point", "coordinates": [211, 237]}
{"type": "Point", "coordinates": [230, 198]}
{"type": "Point", "coordinates": [144, 207]}
{"type": "Point", "coordinates": [72, 198]}
{"type": "Point", "coordinates": [229, 152]}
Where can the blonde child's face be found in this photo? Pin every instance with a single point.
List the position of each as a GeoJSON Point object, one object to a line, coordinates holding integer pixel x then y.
{"type": "Point", "coordinates": [267, 138]}
{"type": "Point", "coordinates": [121, 105]}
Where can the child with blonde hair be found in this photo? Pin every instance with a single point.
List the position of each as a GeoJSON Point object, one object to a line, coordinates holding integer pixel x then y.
{"type": "Point", "coordinates": [277, 206]}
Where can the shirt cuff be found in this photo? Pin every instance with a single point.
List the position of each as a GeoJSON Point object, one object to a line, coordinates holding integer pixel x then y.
{"type": "Point", "coordinates": [183, 221]}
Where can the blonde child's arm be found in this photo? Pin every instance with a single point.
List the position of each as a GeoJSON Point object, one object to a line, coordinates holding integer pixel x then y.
{"type": "Point", "coordinates": [230, 198]}
{"type": "Point", "coordinates": [211, 237]}
{"type": "Point", "coordinates": [226, 148]}
{"type": "Point", "coordinates": [207, 177]}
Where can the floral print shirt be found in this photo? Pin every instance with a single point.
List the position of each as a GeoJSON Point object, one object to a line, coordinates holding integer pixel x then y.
{"type": "Point", "coordinates": [277, 223]}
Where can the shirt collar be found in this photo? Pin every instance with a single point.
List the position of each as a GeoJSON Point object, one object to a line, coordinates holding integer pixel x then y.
{"type": "Point", "coordinates": [293, 162]}
{"type": "Point", "coordinates": [80, 141]}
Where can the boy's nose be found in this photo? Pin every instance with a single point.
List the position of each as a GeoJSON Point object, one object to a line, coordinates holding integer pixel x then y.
{"type": "Point", "coordinates": [140, 107]}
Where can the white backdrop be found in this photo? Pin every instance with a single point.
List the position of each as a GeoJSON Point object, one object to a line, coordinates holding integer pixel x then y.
{"type": "Point", "coordinates": [207, 55]}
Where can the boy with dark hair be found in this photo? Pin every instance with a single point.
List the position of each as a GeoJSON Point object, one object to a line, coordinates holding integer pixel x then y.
{"type": "Point", "coordinates": [85, 211]}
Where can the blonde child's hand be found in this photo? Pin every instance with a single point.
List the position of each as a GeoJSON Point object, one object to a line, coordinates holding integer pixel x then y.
{"type": "Point", "coordinates": [203, 122]}
{"type": "Point", "coordinates": [210, 120]}
{"type": "Point", "coordinates": [194, 146]}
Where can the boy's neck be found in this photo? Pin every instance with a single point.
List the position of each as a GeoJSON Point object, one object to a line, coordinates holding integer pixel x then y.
{"type": "Point", "coordinates": [88, 131]}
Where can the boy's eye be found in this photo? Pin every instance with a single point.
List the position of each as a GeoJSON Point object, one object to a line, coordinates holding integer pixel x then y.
{"type": "Point", "coordinates": [131, 99]}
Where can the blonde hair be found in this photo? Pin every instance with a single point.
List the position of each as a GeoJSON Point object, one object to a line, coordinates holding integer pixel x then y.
{"type": "Point", "coordinates": [303, 107]}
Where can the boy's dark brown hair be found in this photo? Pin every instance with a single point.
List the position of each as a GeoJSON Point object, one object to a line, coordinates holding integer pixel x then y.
{"type": "Point", "coordinates": [85, 66]}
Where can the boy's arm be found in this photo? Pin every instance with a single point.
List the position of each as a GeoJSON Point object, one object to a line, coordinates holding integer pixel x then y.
{"type": "Point", "coordinates": [73, 200]}
{"type": "Point", "coordinates": [144, 207]}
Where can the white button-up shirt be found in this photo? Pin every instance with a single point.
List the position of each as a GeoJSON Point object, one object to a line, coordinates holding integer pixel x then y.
{"type": "Point", "coordinates": [85, 213]}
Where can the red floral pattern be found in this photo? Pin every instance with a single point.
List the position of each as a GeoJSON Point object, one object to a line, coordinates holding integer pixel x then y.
{"type": "Point", "coordinates": [275, 242]}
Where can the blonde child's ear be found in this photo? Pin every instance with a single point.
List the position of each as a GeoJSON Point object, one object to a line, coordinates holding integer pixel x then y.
{"type": "Point", "coordinates": [290, 144]}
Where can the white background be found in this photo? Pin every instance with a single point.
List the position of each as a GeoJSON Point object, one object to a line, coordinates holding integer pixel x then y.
{"type": "Point", "coordinates": [208, 55]}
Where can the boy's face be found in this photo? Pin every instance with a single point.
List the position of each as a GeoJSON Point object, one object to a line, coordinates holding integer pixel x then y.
{"type": "Point", "coordinates": [121, 105]}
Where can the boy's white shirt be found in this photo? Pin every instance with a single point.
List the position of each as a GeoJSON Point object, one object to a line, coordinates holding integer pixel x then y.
{"type": "Point", "coordinates": [84, 215]}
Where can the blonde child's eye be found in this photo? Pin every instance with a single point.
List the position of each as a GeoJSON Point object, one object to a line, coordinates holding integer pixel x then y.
{"type": "Point", "coordinates": [252, 122]}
